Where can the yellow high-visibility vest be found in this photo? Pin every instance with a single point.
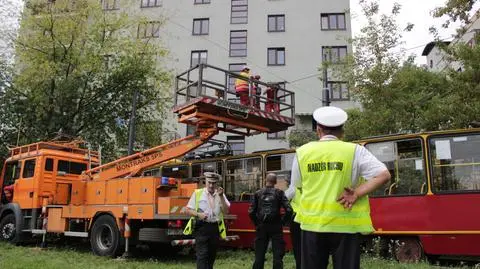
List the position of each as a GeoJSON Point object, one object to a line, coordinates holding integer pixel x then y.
{"type": "Point", "coordinates": [326, 169]}
{"type": "Point", "coordinates": [240, 84]}
{"type": "Point", "coordinates": [190, 225]}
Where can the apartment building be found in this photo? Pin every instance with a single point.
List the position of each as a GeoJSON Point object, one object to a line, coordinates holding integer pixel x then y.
{"type": "Point", "coordinates": [281, 40]}
{"type": "Point", "coordinates": [436, 58]}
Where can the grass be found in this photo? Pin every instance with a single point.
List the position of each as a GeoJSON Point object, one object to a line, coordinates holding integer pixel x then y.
{"type": "Point", "coordinates": [24, 257]}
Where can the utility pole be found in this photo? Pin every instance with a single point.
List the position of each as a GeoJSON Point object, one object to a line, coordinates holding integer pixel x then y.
{"type": "Point", "coordinates": [131, 125]}
{"type": "Point", "coordinates": [326, 90]}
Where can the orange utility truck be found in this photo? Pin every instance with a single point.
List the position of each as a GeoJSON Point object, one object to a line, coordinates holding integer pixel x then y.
{"type": "Point", "coordinates": [61, 188]}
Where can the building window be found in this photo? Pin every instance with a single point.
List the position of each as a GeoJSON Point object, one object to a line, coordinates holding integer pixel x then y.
{"type": "Point", "coordinates": [201, 2]}
{"type": "Point", "coordinates": [276, 56]}
{"type": "Point", "coordinates": [237, 144]}
{"type": "Point", "coordinates": [239, 12]}
{"type": "Point", "coordinates": [151, 3]}
{"type": "Point", "coordinates": [333, 21]}
{"type": "Point", "coordinates": [110, 4]}
{"type": "Point", "coordinates": [238, 43]}
{"type": "Point", "coordinates": [431, 64]}
{"type": "Point", "coordinates": [277, 135]}
{"type": "Point", "coordinates": [338, 91]}
{"type": "Point", "coordinates": [234, 68]}
{"type": "Point", "coordinates": [200, 26]}
{"type": "Point", "coordinates": [148, 29]}
{"type": "Point", "coordinates": [276, 23]}
{"type": "Point", "coordinates": [198, 57]}
{"type": "Point", "coordinates": [334, 54]}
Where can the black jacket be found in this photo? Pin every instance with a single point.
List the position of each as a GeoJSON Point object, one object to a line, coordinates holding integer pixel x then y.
{"type": "Point", "coordinates": [282, 203]}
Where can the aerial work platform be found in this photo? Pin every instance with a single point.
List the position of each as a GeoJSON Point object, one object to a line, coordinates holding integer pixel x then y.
{"type": "Point", "coordinates": [199, 96]}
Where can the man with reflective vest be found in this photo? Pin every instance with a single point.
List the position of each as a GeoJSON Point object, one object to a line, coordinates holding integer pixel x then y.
{"type": "Point", "coordinates": [207, 207]}
{"type": "Point", "coordinates": [241, 86]}
{"type": "Point", "coordinates": [333, 208]}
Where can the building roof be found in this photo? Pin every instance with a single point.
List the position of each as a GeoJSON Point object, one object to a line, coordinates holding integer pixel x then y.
{"type": "Point", "coordinates": [428, 48]}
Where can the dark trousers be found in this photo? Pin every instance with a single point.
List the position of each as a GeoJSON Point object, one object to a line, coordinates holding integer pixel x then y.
{"type": "Point", "coordinates": [295, 235]}
{"type": "Point", "coordinates": [206, 244]}
{"type": "Point", "coordinates": [317, 247]}
{"type": "Point", "coordinates": [265, 233]}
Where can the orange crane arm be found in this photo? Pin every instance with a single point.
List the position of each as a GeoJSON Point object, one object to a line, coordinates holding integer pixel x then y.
{"type": "Point", "coordinates": [133, 164]}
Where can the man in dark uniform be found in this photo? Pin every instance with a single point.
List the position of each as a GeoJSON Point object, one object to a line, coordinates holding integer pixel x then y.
{"type": "Point", "coordinates": [208, 205]}
{"type": "Point", "coordinates": [265, 214]}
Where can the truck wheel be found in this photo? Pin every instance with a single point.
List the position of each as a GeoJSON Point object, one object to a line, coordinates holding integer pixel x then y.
{"type": "Point", "coordinates": [8, 229]}
{"type": "Point", "coordinates": [105, 237]}
{"type": "Point", "coordinates": [408, 250]}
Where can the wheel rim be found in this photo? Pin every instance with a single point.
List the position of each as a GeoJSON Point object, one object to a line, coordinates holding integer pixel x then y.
{"type": "Point", "coordinates": [104, 237]}
{"type": "Point", "coordinates": [408, 250]}
{"type": "Point", "coordinates": [8, 231]}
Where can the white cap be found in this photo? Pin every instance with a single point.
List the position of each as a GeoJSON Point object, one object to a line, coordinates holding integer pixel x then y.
{"type": "Point", "coordinates": [245, 67]}
{"type": "Point", "coordinates": [330, 116]}
{"type": "Point", "coordinates": [211, 177]}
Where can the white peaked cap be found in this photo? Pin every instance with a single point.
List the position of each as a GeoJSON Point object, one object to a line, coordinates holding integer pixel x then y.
{"type": "Point", "coordinates": [330, 116]}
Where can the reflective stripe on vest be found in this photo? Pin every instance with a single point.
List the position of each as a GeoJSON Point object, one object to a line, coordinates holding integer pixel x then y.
{"type": "Point", "coordinates": [190, 225]}
{"type": "Point", "coordinates": [326, 169]}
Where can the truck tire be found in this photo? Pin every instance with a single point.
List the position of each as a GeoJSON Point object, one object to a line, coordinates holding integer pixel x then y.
{"type": "Point", "coordinates": [105, 237]}
{"type": "Point", "coordinates": [8, 231]}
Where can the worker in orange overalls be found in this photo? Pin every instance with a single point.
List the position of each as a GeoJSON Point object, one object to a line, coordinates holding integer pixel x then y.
{"type": "Point", "coordinates": [241, 86]}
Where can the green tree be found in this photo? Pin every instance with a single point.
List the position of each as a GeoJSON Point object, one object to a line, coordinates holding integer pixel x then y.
{"type": "Point", "coordinates": [462, 102]}
{"type": "Point", "coordinates": [455, 10]}
{"type": "Point", "coordinates": [396, 96]}
{"type": "Point", "coordinates": [77, 70]}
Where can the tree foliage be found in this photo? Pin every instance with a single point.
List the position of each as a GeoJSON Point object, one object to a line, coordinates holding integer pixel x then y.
{"type": "Point", "coordinates": [396, 96]}
{"type": "Point", "coordinates": [462, 102]}
{"type": "Point", "coordinates": [297, 138]}
{"type": "Point", "coordinates": [455, 10]}
{"type": "Point", "coordinates": [78, 68]}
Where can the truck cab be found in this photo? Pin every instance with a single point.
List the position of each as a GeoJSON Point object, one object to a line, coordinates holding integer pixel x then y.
{"type": "Point", "coordinates": [36, 173]}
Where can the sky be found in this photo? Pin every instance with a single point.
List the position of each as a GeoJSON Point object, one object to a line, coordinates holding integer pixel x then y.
{"type": "Point", "coordinates": [413, 11]}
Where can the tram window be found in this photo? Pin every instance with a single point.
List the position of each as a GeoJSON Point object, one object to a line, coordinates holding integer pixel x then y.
{"type": "Point", "coordinates": [456, 163]}
{"type": "Point", "coordinates": [199, 168]}
{"type": "Point", "coordinates": [12, 172]}
{"type": "Point", "coordinates": [239, 184]}
{"type": "Point", "coordinates": [177, 171]}
{"type": "Point", "coordinates": [281, 165]}
{"type": "Point", "coordinates": [29, 169]}
{"type": "Point", "coordinates": [404, 160]}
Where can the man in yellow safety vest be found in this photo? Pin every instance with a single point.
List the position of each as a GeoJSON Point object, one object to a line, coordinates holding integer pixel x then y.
{"type": "Point", "coordinates": [333, 208]}
{"type": "Point", "coordinates": [207, 206]}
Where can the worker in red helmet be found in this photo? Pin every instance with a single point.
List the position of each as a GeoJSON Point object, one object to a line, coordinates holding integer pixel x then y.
{"type": "Point", "coordinates": [272, 105]}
